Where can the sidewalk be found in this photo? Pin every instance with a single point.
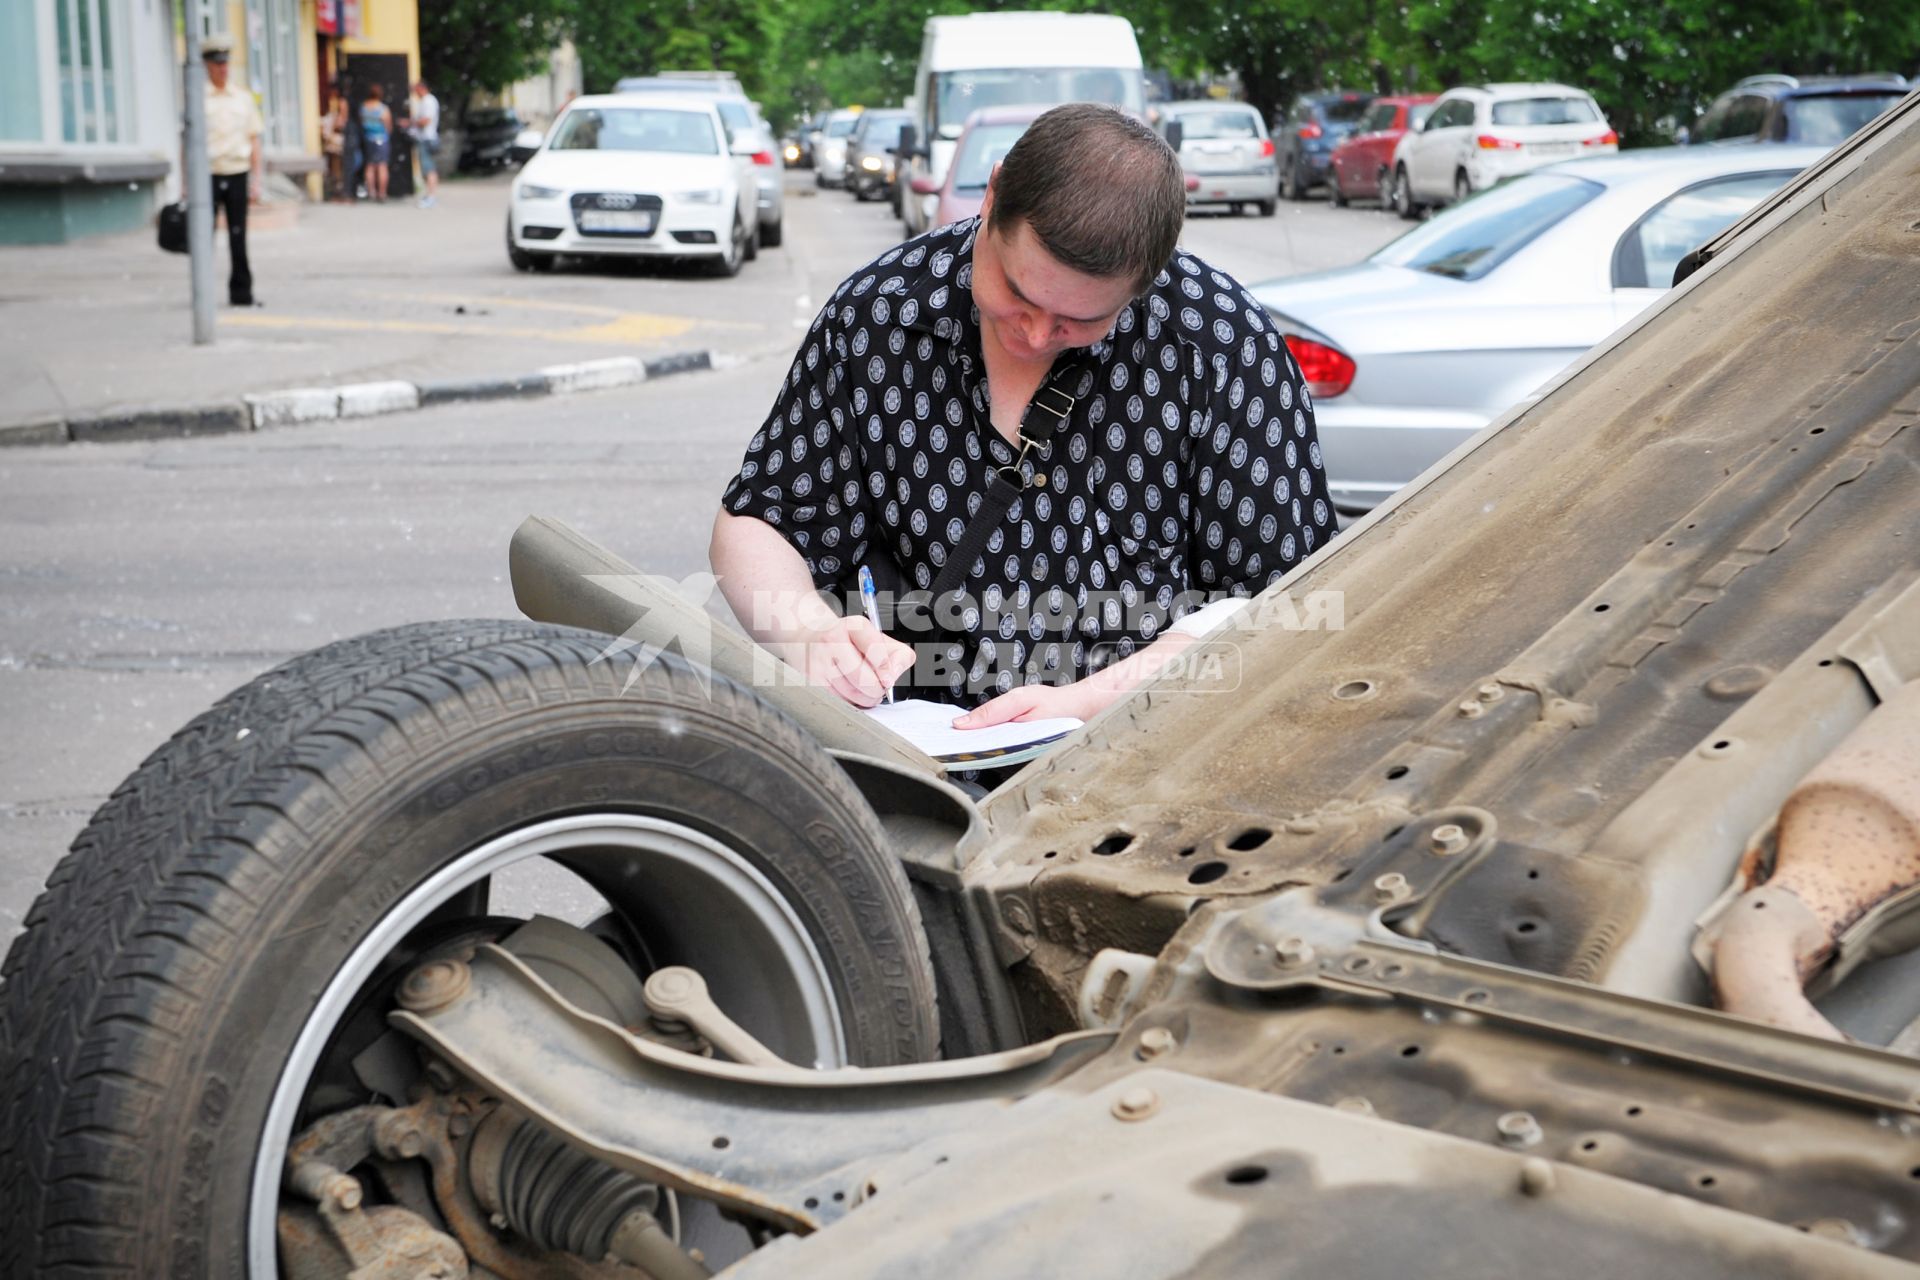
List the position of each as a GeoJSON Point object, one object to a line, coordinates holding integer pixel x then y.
{"type": "Point", "coordinates": [352, 294]}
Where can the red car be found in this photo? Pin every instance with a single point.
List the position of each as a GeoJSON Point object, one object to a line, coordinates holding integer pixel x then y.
{"type": "Point", "coordinates": [1363, 161]}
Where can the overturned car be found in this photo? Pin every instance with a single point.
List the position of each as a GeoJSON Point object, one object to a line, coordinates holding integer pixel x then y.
{"type": "Point", "coordinates": [1554, 914]}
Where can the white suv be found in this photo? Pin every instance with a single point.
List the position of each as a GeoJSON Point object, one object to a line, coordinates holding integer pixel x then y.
{"type": "Point", "coordinates": [1479, 134]}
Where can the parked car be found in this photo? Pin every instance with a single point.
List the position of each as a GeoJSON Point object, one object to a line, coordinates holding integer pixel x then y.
{"type": "Point", "coordinates": [1479, 134]}
{"type": "Point", "coordinates": [487, 139]}
{"type": "Point", "coordinates": [1363, 162]}
{"type": "Point", "coordinates": [748, 134]}
{"type": "Point", "coordinates": [635, 176]}
{"type": "Point", "coordinates": [871, 162]}
{"type": "Point", "coordinates": [1413, 350]}
{"type": "Point", "coordinates": [1314, 127]}
{"type": "Point", "coordinates": [1224, 145]}
{"type": "Point", "coordinates": [830, 156]}
{"type": "Point", "coordinates": [1817, 110]}
{"type": "Point", "coordinates": [984, 142]}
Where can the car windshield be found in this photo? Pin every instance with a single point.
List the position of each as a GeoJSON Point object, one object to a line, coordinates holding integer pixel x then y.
{"type": "Point", "coordinates": [1346, 110]}
{"type": "Point", "coordinates": [1471, 239]}
{"type": "Point", "coordinates": [737, 114]}
{"type": "Point", "coordinates": [984, 146]}
{"type": "Point", "coordinates": [636, 129]}
{"type": "Point", "coordinates": [842, 127]}
{"type": "Point", "coordinates": [1218, 124]}
{"type": "Point", "coordinates": [881, 134]}
{"type": "Point", "coordinates": [1829, 119]}
{"type": "Point", "coordinates": [1545, 111]}
{"type": "Point", "coordinates": [958, 94]}
{"type": "Point", "coordinates": [1648, 254]}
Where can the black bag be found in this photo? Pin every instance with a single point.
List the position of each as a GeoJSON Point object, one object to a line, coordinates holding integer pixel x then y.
{"type": "Point", "coordinates": [173, 227]}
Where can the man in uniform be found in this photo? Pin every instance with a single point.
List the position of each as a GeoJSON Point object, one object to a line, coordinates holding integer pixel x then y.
{"type": "Point", "coordinates": [1105, 429]}
{"type": "Point", "coordinates": [233, 148]}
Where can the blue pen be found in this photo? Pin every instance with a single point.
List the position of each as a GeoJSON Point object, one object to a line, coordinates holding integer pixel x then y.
{"type": "Point", "coordinates": [871, 599]}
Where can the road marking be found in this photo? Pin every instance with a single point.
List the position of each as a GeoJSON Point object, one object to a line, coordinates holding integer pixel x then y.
{"type": "Point", "coordinates": [502, 301]}
{"type": "Point", "coordinates": [629, 328]}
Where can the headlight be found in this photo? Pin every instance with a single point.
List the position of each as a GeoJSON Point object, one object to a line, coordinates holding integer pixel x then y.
{"type": "Point", "coordinates": [792, 152]}
{"type": "Point", "coordinates": [709, 195]}
{"type": "Point", "coordinates": [530, 192]}
{"type": "Point", "coordinates": [870, 163]}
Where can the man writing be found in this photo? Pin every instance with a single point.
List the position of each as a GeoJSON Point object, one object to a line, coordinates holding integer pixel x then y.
{"type": "Point", "coordinates": [1136, 405]}
{"type": "Point", "coordinates": [233, 150]}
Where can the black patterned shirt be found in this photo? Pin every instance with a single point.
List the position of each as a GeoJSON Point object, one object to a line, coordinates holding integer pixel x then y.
{"type": "Point", "coordinates": [1189, 468]}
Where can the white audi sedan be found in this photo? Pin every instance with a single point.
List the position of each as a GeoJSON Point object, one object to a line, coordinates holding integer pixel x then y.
{"type": "Point", "coordinates": [649, 176]}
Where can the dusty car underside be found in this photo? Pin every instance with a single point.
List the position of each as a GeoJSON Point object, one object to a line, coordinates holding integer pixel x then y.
{"type": "Point", "coordinates": [1549, 915]}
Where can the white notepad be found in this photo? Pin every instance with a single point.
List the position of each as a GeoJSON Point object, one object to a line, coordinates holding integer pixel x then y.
{"type": "Point", "coordinates": [929, 726]}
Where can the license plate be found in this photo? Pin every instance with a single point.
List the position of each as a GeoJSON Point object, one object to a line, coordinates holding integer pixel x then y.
{"type": "Point", "coordinates": [638, 221]}
{"type": "Point", "coordinates": [1553, 148]}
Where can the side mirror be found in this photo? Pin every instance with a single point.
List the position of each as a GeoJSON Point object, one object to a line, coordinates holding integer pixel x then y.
{"type": "Point", "coordinates": [1175, 131]}
{"type": "Point", "coordinates": [924, 185]}
{"type": "Point", "coordinates": [908, 137]}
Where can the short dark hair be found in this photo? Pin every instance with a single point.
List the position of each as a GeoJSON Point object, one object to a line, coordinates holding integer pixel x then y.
{"type": "Point", "coordinates": [1101, 190]}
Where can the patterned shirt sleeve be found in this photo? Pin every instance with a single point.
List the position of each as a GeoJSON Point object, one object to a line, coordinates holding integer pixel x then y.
{"type": "Point", "coordinates": [802, 471]}
{"type": "Point", "coordinates": [1258, 489]}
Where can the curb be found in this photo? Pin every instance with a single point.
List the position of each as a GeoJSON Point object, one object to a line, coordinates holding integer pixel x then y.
{"type": "Point", "coordinates": [298, 406]}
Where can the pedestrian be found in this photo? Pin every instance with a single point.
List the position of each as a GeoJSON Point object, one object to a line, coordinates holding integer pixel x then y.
{"type": "Point", "coordinates": [424, 128]}
{"type": "Point", "coordinates": [234, 127]}
{"type": "Point", "coordinates": [376, 141]}
{"type": "Point", "coordinates": [333, 144]}
{"type": "Point", "coordinates": [1069, 433]}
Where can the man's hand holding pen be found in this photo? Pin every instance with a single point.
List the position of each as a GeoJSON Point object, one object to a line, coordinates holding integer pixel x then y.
{"type": "Point", "coordinates": [848, 655]}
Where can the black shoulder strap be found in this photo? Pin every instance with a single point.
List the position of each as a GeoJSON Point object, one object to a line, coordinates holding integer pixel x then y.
{"type": "Point", "coordinates": [1047, 413]}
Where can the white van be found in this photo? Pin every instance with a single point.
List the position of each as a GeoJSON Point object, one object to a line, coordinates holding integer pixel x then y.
{"type": "Point", "coordinates": [1008, 59]}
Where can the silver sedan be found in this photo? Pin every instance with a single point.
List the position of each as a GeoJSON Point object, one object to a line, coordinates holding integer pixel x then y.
{"type": "Point", "coordinates": [1412, 351]}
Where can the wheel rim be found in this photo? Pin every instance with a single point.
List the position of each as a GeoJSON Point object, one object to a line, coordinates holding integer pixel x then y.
{"type": "Point", "coordinates": [752, 937]}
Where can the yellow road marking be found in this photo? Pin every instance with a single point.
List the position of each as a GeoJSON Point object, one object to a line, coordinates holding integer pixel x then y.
{"type": "Point", "coordinates": [629, 328]}
{"type": "Point", "coordinates": [536, 304]}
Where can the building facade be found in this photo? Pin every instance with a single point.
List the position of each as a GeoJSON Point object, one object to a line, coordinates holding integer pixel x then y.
{"type": "Point", "coordinates": [89, 129]}
{"type": "Point", "coordinates": [90, 112]}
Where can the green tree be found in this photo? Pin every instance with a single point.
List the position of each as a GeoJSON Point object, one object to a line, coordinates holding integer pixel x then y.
{"type": "Point", "coordinates": [617, 38]}
{"type": "Point", "coordinates": [467, 46]}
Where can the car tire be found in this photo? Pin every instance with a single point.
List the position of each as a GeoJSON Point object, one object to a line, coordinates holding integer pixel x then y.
{"type": "Point", "coordinates": [1290, 185]}
{"type": "Point", "coordinates": [752, 251]}
{"type": "Point", "coordinates": [1383, 187]}
{"type": "Point", "coordinates": [771, 233]}
{"type": "Point", "coordinates": [820, 180]}
{"type": "Point", "coordinates": [1268, 208]}
{"type": "Point", "coordinates": [1335, 192]}
{"type": "Point", "coordinates": [521, 259]}
{"type": "Point", "coordinates": [726, 264]}
{"type": "Point", "coordinates": [193, 975]}
{"type": "Point", "coordinates": [1403, 201]}
{"type": "Point", "coordinates": [1462, 187]}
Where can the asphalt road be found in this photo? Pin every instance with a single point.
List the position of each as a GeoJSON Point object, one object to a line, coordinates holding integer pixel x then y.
{"type": "Point", "coordinates": [141, 582]}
